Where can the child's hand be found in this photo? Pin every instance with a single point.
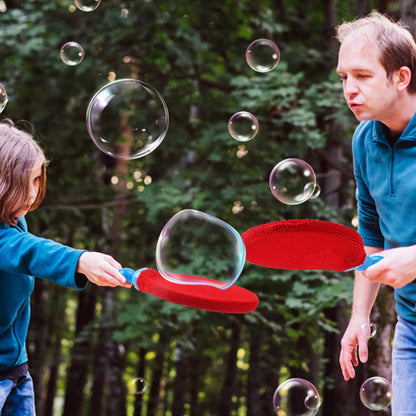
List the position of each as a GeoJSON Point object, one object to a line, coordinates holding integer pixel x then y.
{"type": "Point", "coordinates": [101, 269]}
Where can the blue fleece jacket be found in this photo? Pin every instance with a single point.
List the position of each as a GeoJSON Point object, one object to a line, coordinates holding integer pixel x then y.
{"type": "Point", "coordinates": [23, 256]}
{"type": "Point", "coordinates": [386, 195]}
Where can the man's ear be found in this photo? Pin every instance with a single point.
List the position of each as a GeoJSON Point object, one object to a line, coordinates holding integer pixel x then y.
{"type": "Point", "coordinates": [402, 78]}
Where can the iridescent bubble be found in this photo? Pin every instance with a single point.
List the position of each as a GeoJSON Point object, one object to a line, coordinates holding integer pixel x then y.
{"type": "Point", "coordinates": [243, 126]}
{"type": "Point", "coordinates": [194, 244]}
{"type": "Point", "coordinates": [138, 385]}
{"type": "Point", "coordinates": [262, 55]}
{"type": "Point", "coordinates": [72, 53]}
{"type": "Point", "coordinates": [127, 119]}
{"type": "Point", "coordinates": [376, 393]}
{"type": "Point", "coordinates": [87, 5]}
{"type": "Point", "coordinates": [293, 181]}
{"type": "Point", "coordinates": [3, 98]}
{"type": "Point", "coordinates": [368, 329]}
{"type": "Point", "coordinates": [296, 397]}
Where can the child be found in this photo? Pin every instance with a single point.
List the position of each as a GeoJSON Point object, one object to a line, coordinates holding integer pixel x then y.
{"type": "Point", "coordinates": [23, 256]}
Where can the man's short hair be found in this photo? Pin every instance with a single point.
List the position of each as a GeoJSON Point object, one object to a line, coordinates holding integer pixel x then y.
{"type": "Point", "coordinates": [396, 44]}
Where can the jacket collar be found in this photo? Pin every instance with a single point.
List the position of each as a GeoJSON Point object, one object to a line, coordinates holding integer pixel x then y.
{"type": "Point", "coordinates": [380, 132]}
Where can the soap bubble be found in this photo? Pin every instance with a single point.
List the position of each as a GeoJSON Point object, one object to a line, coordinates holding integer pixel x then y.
{"type": "Point", "coordinates": [293, 181]}
{"type": "Point", "coordinates": [72, 53]}
{"type": "Point", "coordinates": [262, 55]}
{"type": "Point", "coordinates": [296, 397]}
{"type": "Point", "coordinates": [194, 244]}
{"type": "Point", "coordinates": [127, 119]}
{"type": "Point", "coordinates": [368, 329]}
{"type": "Point", "coordinates": [376, 393]}
{"type": "Point", "coordinates": [243, 126]}
{"type": "Point", "coordinates": [138, 385]}
{"type": "Point", "coordinates": [87, 5]}
{"type": "Point", "coordinates": [3, 98]}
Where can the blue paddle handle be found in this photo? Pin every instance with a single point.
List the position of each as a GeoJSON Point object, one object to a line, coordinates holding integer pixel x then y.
{"type": "Point", "coordinates": [369, 261]}
{"type": "Point", "coordinates": [132, 275]}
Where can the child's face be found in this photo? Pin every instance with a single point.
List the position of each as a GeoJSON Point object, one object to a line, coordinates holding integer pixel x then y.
{"type": "Point", "coordinates": [34, 184]}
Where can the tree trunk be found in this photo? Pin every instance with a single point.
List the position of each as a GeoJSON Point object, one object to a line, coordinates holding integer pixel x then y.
{"type": "Point", "coordinates": [339, 396]}
{"type": "Point", "coordinates": [270, 364]}
{"type": "Point", "coordinates": [363, 7]}
{"type": "Point", "coordinates": [80, 354]}
{"type": "Point", "coordinates": [253, 379]}
{"type": "Point", "coordinates": [156, 377]}
{"type": "Point", "coordinates": [195, 377]}
{"type": "Point", "coordinates": [408, 14]}
{"type": "Point", "coordinates": [229, 384]}
{"type": "Point", "coordinates": [57, 328]}
{"type": "Point", "coordinates": [141, 367]}
{"type": "Point", "coordinates": [116, 391]}
{"type": "Point", "coordinates": [328, 32]}
{"type": "Point", "coordinates": [37, 340]}
{"type": "Point", "coordinates": [96, 406]}
{"type": "Point", "coordinates": [180, 384]}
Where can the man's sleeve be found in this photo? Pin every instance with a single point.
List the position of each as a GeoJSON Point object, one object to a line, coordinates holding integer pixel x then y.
{"type": "Point", "coordinates": [368, 219]}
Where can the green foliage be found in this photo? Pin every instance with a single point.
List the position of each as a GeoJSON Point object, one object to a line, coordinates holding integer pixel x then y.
{"type": "Point", "coordinates": [192, 52]}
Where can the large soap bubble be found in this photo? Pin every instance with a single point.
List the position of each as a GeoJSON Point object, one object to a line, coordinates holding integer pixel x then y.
{"type": "Point", "coordinates": [194, 244]}
{"type": "Point", "coordinates": [127, 119]}
{"type": "Point", "coordinates": [376, 393]}
{"type": "Point", "coordinates": [296, 397]}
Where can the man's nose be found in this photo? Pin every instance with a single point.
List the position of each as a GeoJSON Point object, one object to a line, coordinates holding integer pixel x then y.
{"type": "Point", "coordinates": [350, 88]}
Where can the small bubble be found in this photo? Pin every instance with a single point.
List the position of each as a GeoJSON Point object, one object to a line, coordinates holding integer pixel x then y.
{"type": "Point", "coordinates": [138, 385]}
{"type": "Point", "coordinates": [72, 53]}
{"type": "Point", "coordinates": [262, 55]}
{"type": "Point", "coordinates": [368, 329]}
{"type": "Point", "coordinates": [293, 181]}
{"type": "Point", "coordinates": [3, 98]}
{"type": "Point", "coordinates": [243, 126]}
{"type": "Point", "coordinates": [87, 5]}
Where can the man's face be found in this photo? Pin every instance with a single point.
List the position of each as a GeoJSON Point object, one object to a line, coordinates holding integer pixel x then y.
{"type": "Point", "coordinates": [367, 90]}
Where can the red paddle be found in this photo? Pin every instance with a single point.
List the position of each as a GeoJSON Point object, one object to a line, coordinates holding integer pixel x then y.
{"type": "Point", "coordinates": [306, 245]}
{"type": "Point", "coordinates": [235, 299]}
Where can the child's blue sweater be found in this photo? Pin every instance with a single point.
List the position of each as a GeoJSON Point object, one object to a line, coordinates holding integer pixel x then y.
{"type": "Point", "coordinates": [23, 256]}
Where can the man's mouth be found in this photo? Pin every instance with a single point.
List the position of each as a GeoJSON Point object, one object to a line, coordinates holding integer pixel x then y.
{"type": "Point", "coordinates": [354, 106]}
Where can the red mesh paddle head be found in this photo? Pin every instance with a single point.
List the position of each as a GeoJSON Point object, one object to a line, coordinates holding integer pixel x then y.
{"type": "Point", "coordinates": [235, 299]}
{"type": "Point", "coordinates": [304, 245]}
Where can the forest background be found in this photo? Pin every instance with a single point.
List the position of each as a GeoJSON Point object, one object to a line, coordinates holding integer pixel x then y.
{"type": "Point", "coordinates": [86, 347]}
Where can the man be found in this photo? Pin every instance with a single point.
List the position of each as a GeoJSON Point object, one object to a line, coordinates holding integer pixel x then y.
{"type": "Point", "coordinates": [377, 65]}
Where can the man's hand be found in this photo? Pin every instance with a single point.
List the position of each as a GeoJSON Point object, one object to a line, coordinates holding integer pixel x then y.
{"type": "Point", "coordinates": [101, 269]}
{"type": "Point", "coordinates": [354, 346]}
{"type": "Point", "coordinates": [396, 269]}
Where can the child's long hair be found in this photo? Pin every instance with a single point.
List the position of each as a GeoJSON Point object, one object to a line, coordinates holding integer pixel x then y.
{"type": "Point", "coordinates": [19, 153]}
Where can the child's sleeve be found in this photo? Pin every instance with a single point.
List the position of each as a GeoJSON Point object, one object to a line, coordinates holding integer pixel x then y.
{"type": "Point", "coordinates": [24, 253]}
